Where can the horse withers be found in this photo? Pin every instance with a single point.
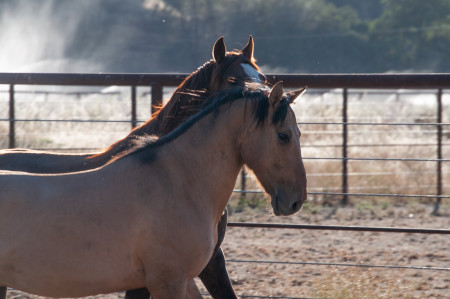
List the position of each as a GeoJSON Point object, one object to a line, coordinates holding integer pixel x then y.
{"type": "Point", "coordinates": [59, 234]}
{"type": "Point", "coordinates": [225, 70]}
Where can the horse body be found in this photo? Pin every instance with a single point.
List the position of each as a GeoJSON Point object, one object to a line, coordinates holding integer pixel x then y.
{"type": "Point", "coordinates": [61, 231]}
{"type": "Point", "coordinates": [59, 234]}
{"type": "Point", "coordinates": [74, 231]}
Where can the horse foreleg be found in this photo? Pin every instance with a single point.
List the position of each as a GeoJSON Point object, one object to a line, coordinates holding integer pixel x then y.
{"type": "Point", "coordinates": [3, 292]}
{"type": "Point", "coordinates": [192, 291]}
{"type": "Point", "coordinates": [136, 294]}
{"type": "Point", "coordinates": [215, 278]}
{"type": "Point", "coordinates": [215, 275]}
{"type": "Point", "coordinates": [187, 290]}
{"type": "Point", "coordinates": [168, 290]}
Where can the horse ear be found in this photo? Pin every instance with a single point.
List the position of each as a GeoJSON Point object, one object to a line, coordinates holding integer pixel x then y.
{"type": "Point", "coordinates": [276, 93]}
{"type": "Point", "coordinates": [219, 50]}
{"type": "Point", "coordinates": [293, 95]}
{"type": "Point", "coordinates": [248, 49]}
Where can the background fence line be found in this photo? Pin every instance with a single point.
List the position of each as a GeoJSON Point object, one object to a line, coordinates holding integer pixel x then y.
{"type": "Point", "coordinates": [345, 81]}
{"type": "Point", "coordinates": [435, 83]}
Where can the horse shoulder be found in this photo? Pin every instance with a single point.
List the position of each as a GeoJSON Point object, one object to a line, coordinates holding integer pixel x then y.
{"type": "Point", "coordinates": [164, 203]}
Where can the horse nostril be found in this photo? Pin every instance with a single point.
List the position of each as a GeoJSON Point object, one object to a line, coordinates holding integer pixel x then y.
{"type": "Point", "coordinates": [295, 206]}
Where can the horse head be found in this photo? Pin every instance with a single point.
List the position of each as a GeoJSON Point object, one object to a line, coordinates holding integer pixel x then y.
{"type": "Point", "coordinates": [233, 68]}
{"type": "Point", "coordinates": [226, 70]}
{"type": "Point", "coordinates": [278, 164]}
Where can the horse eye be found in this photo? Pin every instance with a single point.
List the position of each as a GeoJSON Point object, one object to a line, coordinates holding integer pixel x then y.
{"type": "Point", "coordinates": [284, 138]}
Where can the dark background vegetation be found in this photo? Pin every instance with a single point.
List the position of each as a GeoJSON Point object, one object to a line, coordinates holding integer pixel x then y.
{"type": "Point", "coordinates": [291, 36]}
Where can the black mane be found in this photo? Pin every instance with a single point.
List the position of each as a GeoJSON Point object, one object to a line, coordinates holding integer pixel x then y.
{"type": "Point", "coordinates": [188, 99]}
{"type": "Point", "coordinates": [259, 103]}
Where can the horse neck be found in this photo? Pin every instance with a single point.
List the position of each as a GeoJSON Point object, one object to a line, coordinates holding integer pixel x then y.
{"type": "Point", "coordinates": [207, 158]}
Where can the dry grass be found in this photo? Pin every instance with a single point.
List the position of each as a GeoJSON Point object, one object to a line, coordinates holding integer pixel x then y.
{"type": "Point", "coordinates": [67, 135]}
{"type": "Point", "coordinates": [398, 177]}
{"type": "Point", "coordinates": [360, 283]}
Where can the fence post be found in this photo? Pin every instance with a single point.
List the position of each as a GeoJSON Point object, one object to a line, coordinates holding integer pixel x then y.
{"type": "Point", "coordinates": [344, 148]}
{"type": "Point", "coordinates": [157, 94]}
{"type": "Point", "coordinates": [439, 152]}
{"type": "Point", "coordinates": [133, 107]}
{"type": "Point", "coordinates": [12, 118]}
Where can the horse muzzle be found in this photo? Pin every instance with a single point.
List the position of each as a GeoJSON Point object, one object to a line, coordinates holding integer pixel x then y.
{"type": "Point", "coordinates": [282, 205]}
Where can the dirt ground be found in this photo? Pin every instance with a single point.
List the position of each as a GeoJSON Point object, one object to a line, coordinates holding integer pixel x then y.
{"type": "Point", "coordinates": [323, 281]}
{"type": "Point", "coordinates": [258, 280]}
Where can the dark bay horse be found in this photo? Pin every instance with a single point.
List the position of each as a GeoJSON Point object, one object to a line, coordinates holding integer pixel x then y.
{"type": "Point", "coordinates": [59, 234]}
{"type": "Point", "coordinates": [225, 70]}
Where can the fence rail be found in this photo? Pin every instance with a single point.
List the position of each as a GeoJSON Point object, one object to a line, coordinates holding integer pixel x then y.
{"type": "Point", "coordinates": [372, 81]}
{"type": "Point", "coordinates": [340, 227]}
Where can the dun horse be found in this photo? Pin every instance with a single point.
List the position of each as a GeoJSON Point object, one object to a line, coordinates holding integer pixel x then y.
{"type": "Point", "coordinates": [59, 234]}
{"type": "Point", "coordinates": [226, 69]}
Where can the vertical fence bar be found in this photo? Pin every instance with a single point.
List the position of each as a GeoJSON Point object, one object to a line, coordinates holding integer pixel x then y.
{"type": "Point", "coordinates": [344, 147]}
{"type": "Point", "coordinates": [157, 96]}
{"type": "Point", "coordinates": [133, 107]}
{"type": "Point", "coordinates": [243, 182]}
{"type": "Point", "coordinates": [439, 152]}
{"type": "Point", "coordinates": [12, 118]}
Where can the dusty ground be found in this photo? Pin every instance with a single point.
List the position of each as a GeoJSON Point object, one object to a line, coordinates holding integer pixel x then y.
{"type": "Point", "coordinates": [342, 247]}
{"type": "Point", "coordinates": [323, 281]}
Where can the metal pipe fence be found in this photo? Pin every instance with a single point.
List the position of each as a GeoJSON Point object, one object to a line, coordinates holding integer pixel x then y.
{"type": "Point", "coordinates": [344, 81]}
{"type": "Point", "coordinates": [156, 82]}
